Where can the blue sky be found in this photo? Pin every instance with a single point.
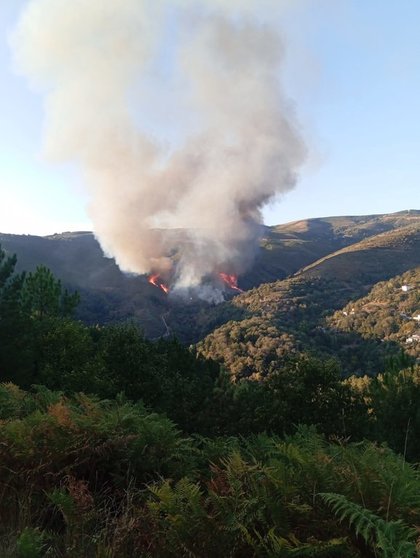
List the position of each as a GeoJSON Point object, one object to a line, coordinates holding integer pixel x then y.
{"type": "Point", "coordinates": [353, 72]}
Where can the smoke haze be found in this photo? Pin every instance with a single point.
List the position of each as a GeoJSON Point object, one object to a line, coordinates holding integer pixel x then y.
{"type": "Point", "coordinates": [215, 74]}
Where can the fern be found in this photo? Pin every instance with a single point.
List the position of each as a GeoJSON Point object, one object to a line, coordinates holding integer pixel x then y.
{"type": "Point", "coordinates": [393, 539]}
{"type": "Point", "coordinates": [64, 503]}
{"type": "Point", "coordinates": [274, 546]}
{"type": "Point", "coordinates": [30, 544]}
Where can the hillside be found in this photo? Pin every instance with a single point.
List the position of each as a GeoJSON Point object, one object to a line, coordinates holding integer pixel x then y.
{"type": "Point", "coordinates": [391, 311]}
{"type": "Point", "coordinates": [107, 294]}
{"type": "Point", "coordinates": [288, 248]}
{"type": "Point", "coordinates": [325, 247]}
{"type": "Point", "coordinates": [372, 259]}
{"type": "Point", "coordinates": [288, 316]}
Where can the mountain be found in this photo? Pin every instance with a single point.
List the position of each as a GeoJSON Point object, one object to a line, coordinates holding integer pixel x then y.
{"type": "Point", "coordinates": [291, 315]}
{"type": "Point", "coordinates": [352, 253]}
{"type": "Point", "coordinates": [372, 259]}
{"type": "Point", "coordinates": [107, 294]}
{"type": "Point", "coordinates": [288, 248]}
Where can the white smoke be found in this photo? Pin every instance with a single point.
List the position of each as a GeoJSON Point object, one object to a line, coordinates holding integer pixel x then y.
{"type": "Point", "coordinates": [236, 143]}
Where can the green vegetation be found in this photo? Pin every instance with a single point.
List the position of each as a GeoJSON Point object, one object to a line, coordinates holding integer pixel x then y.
{"type": "Point", "coordinates": [389, 312]}
{"type": "Point", "coordinates": [83, 477]}
{"type": "Point", "coordinates": [311, 312]}
{"type": "Point", "coordinates": [291, 316]}
{"type": "Point", "coordinates": [113, 445]}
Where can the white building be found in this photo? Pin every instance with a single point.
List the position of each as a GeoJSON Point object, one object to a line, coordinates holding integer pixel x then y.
{"type": "Point", "coordinates": [413, 339]}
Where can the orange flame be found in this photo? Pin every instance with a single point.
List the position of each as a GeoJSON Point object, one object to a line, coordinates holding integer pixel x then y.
{"type": "Point", "coordinates": [231, 281]}
{"type": "Point", "coordinates": [156, 282]}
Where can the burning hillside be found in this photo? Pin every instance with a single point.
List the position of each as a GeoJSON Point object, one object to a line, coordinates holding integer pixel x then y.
{"type": "Point", "coordinates": [212, 288]}
{"type": "Point", "coordinates": [157, 282]}
{"type": "Point", "coordinates": [231, 281]}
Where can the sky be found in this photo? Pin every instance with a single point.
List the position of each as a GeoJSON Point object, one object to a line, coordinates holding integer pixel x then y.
{"type": "Point", "coordinates": [353, 75]}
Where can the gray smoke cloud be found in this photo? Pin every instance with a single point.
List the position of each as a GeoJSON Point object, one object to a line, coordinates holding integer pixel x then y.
{"type": "Point", "coordinates": [190, 207]}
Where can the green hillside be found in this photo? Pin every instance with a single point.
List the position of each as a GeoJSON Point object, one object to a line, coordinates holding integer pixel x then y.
{"type": "Point", "coordinates": [289, 316]}
{"type": "Point", "coordinates": [390, 312]}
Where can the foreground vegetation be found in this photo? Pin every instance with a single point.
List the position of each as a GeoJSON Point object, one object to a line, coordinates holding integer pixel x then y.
{"type": "Point", "coordinates": [115, 446]}
{"type": "Point", "coordinates": [83, 477]}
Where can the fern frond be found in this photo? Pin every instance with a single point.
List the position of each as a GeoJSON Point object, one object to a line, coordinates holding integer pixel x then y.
{"type": "Point", "coordinates": [393, 538]}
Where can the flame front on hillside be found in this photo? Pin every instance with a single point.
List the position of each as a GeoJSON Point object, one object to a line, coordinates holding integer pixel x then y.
{"type": "Point", "coordinates": [231, 281]}
{"type": "Point", "coordinates": [228, 280]}
{"type": "Point", "coordinates": [156, 281]}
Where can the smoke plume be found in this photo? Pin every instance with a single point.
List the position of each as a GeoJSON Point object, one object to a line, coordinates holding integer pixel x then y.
{"type": "Point", "coordinates": [178, 192]}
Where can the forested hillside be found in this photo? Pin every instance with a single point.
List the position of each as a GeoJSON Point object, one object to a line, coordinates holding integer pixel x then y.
{"type": "Point", "coordinates": [390, 312]}
{"type": "Point", "coordinates": [291, 316]}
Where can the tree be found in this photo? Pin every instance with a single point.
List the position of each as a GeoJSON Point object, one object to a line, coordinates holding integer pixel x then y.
{"type": "Point", "coordinates": [309, 390]}
{"type": "Point", "coordinates": [43, 295]}
{"type": "Point", "coordinates": [48, 307]}
{"type": "Point", "coordinates": [64, 354]}
{"type": "Point", "coordinates": [14, 327]}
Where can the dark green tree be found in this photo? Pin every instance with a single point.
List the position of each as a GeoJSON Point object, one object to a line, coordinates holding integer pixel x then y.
{"type": "Point", "coordinates": [14, 326]}
{"type": "Point", "coordinates": [43, 295]}
{"type": "Point", "coordinates": [308, 390]}
{"type": "Point", "coordinates": [56, 344]}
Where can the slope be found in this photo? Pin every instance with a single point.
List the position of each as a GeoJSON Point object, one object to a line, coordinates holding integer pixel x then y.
{"type": "Point", "coordinates": [390, 312]}
{"type": "Point", "coordinates": [372, 259]}
{"type": "Point", "coordinates": [288, 316]}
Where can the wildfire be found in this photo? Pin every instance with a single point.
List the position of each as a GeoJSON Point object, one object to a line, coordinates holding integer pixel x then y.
{"type": "Point", "coordinates": [157, 282]}
{"type": "Point", "coordinates": [231, 281]}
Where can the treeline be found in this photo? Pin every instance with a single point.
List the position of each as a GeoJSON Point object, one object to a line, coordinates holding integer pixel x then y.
{"type": "Point", "coordinates": [112, 445]}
